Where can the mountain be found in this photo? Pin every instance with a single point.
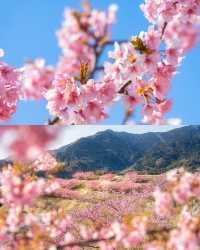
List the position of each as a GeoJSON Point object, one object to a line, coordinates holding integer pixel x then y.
{"type": "Point", "coordinates": [153, 153]}
{"type": "Point", "coordinates": [121, 151]}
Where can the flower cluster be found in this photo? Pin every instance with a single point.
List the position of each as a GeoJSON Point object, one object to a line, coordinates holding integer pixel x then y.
{"type": "Point", "coordinates": [76, 103]}
{"type": "Point", "coordinates": [58, 229]}
{"type": "Point", "coordinates": [111, 237]}
{"type": "Point", "coordinates": [45, 162]}
{"type": "Point", "coordinates": [9, 91]}
{"type": "Point", "coordinates": [17, 191]}
{"type": "Point", "coordinates": [141, 72]}
{"type": "Point", "coordinates": [144, 67]}
{"type": "Point", "coordinates": [73, 97]}
{"type": "Point", "coordinates": [136, 82]}
{"type": "Point", "coordinates": [26, 143]}
{"type": "Point", "coordinates": [184, 188]}
{"type": "Point", "coordinates": [36, 79]}
{"type": "Point", "coordinates": [82, 36]}
{"type": "Point", "coordinates": [178, 22]}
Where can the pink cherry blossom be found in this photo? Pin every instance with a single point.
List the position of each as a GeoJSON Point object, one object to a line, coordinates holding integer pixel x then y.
{"type": "Point", "coordinates": [9, 91]}
{"type": "Point", "coordinates": [26, 143]}
{"type": "Point", "coordinates": [80, 34]}
{"type": "Point", "coordinates": [80, 104]}
{"type": "Point", "coordinates": [36, 79]}
{"type": "Point", "coordinates": [17, 191]}
{"type": "Point", "coordinates": [141, 71]}
{"type": "Point", "coordinates": [163, 203]}
{"type": "Point", "coordinates": [45, 162]}
{"type": "Point", "coordinates": [186, 235]}
{"type": "Point", "coordinates": [174, 29]}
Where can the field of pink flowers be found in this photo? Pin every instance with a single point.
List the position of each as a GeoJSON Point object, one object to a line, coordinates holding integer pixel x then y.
{"type": "Point", "coordinates": [90, 201]}
{"type": "Point", "coordinates": [104, 211]}
{"type": "Point", "coordinates": [94, 210]}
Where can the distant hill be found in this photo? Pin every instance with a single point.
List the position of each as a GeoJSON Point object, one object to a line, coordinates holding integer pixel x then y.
{"type": "Point", "coordinates": [121, 151]}
{"type": "Point", "coordinates": [151, 153]}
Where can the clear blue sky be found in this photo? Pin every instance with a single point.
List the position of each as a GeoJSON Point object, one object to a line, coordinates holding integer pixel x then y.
{"type": "Point", "coordinates": [27, 31]}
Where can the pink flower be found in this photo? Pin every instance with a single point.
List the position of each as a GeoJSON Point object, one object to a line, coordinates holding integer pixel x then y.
{"type": "Point", "coordinates": [185, 236]}
{"type": "Point", "coordinates": [79, 104]}
{"type": "Point", "coordinates": [77, 37]}
{"type": "Point", "coordinates": [45, 162]}
{"type": "Point", "coordinates": [36, 79]}
{"type": "Point", "coordinates": [155, 55]}
{"type": "Point", "coordinates": [17, 191]}
{"type": "Point", "coordinates": [163, 203]}
{"type": "Point", "coordinates": [152, 38]}
{"type": "Point", "coordinates": [119, 52]}
{"type": "Point", "coordinates": [173, 56]}
{"type": "Point", "coordinates": [27, 143]}
{"type": "Point", "coordinates": [9, 91]}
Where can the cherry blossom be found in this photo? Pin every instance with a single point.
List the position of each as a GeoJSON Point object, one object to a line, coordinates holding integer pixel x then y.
{"type": "Point", "coordinates": [45, 162]}
{"type": "Point", "coordinates": [36, 79]}
{"type": "Point", "coordinates": [55, 229]}
{"type": "Point", "coordinates": [17, 191]}
{"type": "Point", "coordinates": [142, 70]}
{"type": "Point", "coordinates": [9, 91]}
{"type": "Point", "coordinates": [80, 104]}
{"type": "Point", "coordinates": [82, 35]}
{"type": "Point", "coordinates": [26, 143]}
{"type": "Point", "coordinates": [140, 73]}
{"type": "Point", "coordinates": [163, 203]}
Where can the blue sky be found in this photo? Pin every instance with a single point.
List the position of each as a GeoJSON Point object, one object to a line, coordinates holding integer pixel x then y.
{"type": "Point", "coordinates": [27, 31]}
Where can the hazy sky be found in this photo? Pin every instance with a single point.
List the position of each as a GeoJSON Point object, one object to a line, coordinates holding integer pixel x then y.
{"type": "Point", "coordinates": [73, 133]}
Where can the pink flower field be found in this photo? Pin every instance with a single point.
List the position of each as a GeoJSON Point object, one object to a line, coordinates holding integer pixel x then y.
{"type": "Point", "coordinates": [98, 210]}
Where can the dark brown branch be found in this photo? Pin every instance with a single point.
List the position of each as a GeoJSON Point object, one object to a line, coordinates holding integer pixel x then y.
{"type": "Point", "coordinates": [163, 30]}
{"type": "Point", "coordinates": [123, 89]}
{"type": "Point", "coordinates": [85, 243]}
{"type": "Point", "coordinates": [53, 121]}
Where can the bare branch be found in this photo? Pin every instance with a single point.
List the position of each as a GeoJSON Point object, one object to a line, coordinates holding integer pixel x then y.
{"type": "Point", "coordinates": [85, 243]}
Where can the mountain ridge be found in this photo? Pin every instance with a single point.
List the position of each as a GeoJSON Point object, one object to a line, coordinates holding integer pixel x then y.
{"type": "Point", "coordinates": [151, 152]}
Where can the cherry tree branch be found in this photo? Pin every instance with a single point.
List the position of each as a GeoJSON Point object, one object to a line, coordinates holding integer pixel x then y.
{"type": "Point", "coordinates": [87, 243]}
{"type": "Point", "coordinates": [98, 52]}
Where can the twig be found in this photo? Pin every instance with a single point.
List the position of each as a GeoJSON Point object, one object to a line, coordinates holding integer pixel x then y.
{"type": "Point", "coordinates": [163, 30]}
{"type": "Point", "coordinates": [85, 243]}
{"type": "Point", "coordinates": [54, 121]}
{"type": "Point", "coordinates": [123, 89]}
{"type": "Point", "coordinates": [127, 116]}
